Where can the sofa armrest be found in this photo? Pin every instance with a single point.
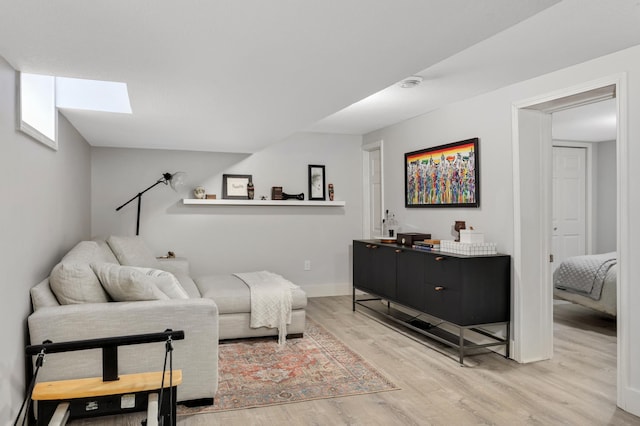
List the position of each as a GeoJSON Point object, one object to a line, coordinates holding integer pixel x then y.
{"type": "Point", "coordinates": [196, 355]}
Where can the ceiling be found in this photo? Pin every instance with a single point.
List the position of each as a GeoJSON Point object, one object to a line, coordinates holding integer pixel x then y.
{"type": "Point", "coordinates": [236, 76]}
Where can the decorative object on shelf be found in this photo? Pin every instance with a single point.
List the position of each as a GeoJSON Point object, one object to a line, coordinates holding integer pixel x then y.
{"type": "Point", "coordinates": [316, 183]}
{"type": "Point", "coordinates": [330, 192]}
{"type": "Point", "coordinates": [443, 176]}
{"type": "Point", "coordinates": [409, 238]}
{"type": "Point", "coordinates": [210, 196]}
{"type": "Point", "coordinates": [471, 236]}
{"type": "Point", "coordinates": [389, 224]}
{"type": "Point", "coordinates": [263, 198]}
{"type": "Point", "coordinates": [299, 196]}
{"type": "Point", "coordinates": [250, 189]}
{"type": "Point", "coordinates": [199, 192]}
{"type": "Point", "coordinates": [235, 187]}
{"type": "Point", "coordinates": [276, 193]}
{"type": "Point", "coordinates": [458, 226]}
{"type": "Point", "coordinates": [175, 180]}
{"type": "Point", "coordinates": [169, 255]}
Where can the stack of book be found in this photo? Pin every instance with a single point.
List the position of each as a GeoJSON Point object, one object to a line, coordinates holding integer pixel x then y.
{"type": "Point", "coordinates": [429, 245]}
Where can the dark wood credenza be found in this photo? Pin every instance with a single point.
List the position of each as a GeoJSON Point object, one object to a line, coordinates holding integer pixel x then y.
{"type": "Point", "coordinates": [464, 292]}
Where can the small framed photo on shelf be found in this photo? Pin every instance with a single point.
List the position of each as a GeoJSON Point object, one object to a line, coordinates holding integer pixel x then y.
{"type": "Point", "coordinates": [234, 187]}
{"type": "Point", "coordinates": [316, 183]}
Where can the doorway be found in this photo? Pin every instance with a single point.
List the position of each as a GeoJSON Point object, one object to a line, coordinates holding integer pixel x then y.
{"type": "Point", "coordinates": [373, 190]}
{"type": "Point", "coordinates": [532, 151]}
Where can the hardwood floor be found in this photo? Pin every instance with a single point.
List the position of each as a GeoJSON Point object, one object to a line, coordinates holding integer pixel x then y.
{"type": "Point", "coordinates": [576, 387]}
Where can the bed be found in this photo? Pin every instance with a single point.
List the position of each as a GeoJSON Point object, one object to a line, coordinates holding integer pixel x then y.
{"type": "Point", "coordinates": [588, 280]}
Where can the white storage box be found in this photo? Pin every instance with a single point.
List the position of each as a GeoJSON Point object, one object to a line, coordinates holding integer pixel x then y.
{"type": "Point", "coordinates": [471, 237]}
{"type": "Point", "coordinates": [469, 249]}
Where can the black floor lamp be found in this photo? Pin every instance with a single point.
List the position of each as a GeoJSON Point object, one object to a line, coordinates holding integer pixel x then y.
{"type": "Point", "coordinates": [175, 180]}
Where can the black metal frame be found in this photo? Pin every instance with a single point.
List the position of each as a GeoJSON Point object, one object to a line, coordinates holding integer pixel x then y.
{"type": "Point", "coordinates": [434, 331]}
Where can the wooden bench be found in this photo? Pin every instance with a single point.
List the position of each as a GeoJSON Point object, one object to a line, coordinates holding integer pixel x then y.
{"type": "Point", "coordinates": [91, 397]}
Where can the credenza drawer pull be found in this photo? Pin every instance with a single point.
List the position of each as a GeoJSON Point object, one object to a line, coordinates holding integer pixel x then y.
{"type": "Point", "coordinates": [440, 258]}
{"type": "Point", "coordinates": [438, 288]}
{"type": "Point", "coordinates": [398, 251]}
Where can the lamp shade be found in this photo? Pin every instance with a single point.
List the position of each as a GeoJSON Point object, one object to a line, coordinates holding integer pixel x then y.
{"type": "Point", "coordinates": [177, 180]}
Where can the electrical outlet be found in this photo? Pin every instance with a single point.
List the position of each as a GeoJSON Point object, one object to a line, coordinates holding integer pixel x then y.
{"type": "Point", "coordinates": [307, 265]}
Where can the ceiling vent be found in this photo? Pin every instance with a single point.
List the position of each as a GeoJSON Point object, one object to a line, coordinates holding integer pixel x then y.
{"type": "Point", "coordinates": [411, 82]}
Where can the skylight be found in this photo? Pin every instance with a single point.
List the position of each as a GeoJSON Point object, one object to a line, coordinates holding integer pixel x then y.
{"type": "Point", "coordinates": [93, 95]}
{"type": "Point", "coordinates": [40, 95]}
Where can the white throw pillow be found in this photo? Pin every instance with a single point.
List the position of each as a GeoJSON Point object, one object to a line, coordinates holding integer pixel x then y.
{"type": "Point", "coordinates": [166, 282]}
{"type": "Point", "coordinates": [73, 281]}
{"type": "Point", "coordinates": [126, 283]}
{"type": "Point", "coordinates": [132, 251]}
{"type": "Point", "coordinates": [76, 283]}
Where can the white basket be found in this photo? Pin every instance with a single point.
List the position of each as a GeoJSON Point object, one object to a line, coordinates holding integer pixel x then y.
{"type": "Point", "coordinates": [469, 249]}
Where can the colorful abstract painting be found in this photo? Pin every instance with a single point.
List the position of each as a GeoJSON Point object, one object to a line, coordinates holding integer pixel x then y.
{"type": "Point", "coordinates": [443, 176]}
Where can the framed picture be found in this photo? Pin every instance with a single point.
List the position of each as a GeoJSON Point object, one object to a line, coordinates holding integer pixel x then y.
{"type": "Point", "coordinates": [234, 187]}
{"type": "Point", "coordinates": [443, 176]}
{"type": "Point", "coordinates": [316, 183]}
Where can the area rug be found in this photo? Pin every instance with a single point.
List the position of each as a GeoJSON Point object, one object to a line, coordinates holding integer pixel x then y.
{"type": "Point", "coordinates": [259, 372]}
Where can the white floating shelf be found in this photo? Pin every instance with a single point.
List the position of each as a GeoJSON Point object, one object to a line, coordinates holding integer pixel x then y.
{"type": "Point", "coordinates": [305, 203]}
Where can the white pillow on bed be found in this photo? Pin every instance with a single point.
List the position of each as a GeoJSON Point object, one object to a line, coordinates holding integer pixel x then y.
{"type": "Point", "coordinates": [129, 283]}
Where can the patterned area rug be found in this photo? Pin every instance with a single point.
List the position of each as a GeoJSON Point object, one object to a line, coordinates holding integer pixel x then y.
{"type": "Point", "coordinates": [258, 372]}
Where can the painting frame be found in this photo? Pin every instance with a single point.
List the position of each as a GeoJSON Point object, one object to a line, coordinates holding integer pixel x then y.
{"type": "Point", "coordinates": [443, 176]}
{"type": "Point", "coordinates": [234, 187]}
{"type": "Point", "coordinates": [317, 183]}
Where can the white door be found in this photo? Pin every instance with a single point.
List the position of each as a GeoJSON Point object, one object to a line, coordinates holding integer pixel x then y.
{"type": "Point", "coordinates": [375, 193]}
{"type": "Point", "coordinates": [569, 203]}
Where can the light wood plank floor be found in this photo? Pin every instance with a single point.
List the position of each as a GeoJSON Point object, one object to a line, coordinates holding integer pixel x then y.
{"type": "Point", "coordinates": [576, 387]}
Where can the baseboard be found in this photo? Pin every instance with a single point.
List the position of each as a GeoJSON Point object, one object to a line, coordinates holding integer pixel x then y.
{"type": "Point", "coordinates": [325, 290]}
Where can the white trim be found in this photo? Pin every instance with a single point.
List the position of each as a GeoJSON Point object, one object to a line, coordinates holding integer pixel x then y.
{"type": "Point", "coordinates": [26, 128]}
{"type": "Point", "coordinates": [328, 289]}
{"type": "Point", "coordinates": [628, 398]}
{"type": "Point", "coordinates": [366, 181]}
{"type": "Point", "coordinates": [515, 344]}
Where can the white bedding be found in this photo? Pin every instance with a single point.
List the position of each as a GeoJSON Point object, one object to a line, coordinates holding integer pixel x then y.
{"type": "Point", "coordinates": [584, 275]}
{"type": "Point", "coordinates": [608, 299]}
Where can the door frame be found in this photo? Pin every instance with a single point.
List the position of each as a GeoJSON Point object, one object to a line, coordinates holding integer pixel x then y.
{"type": "Point", "coordinates": [366, 183]}
{"type": "Point", "coordinates": [535, 327]}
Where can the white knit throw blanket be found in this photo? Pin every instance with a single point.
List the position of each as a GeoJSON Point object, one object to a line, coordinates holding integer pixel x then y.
{"type": "Point", "coordinates": [271, 301]}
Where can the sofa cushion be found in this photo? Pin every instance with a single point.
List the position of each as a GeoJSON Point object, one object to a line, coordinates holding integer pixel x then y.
{"type": "Point", "coordinates": [105, 251]}
{"type": "Point", "coordinates": [232, 295]}
{"type": "Point", "coordinates": [42, 296]}
{"type": "Point", "coordinates": [126, 283]}
{"type": "Point", "coordinates": [189, 286]}
{"type": "Point", "coordinates": [73, 281]}
{"type": "Point", "coordinates": [166, 282]}
{"type": "Point", "coordinates": [132, 251]}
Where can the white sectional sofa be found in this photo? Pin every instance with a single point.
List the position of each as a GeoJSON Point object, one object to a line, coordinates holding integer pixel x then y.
{"type": "Point", "coordinates": [76, 302]}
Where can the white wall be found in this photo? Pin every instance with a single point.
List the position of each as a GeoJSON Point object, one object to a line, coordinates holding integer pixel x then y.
{"type": "Point", "coordinates": [604, 186]}
{"type": "Point", "coordinates": [45, 211]}
{"type": "Point", "coordinates": [486, 118]}
{"type": "Point", "coordinates": [223, 239]}
{"type": "Point", "coordinates": [489, 117]}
